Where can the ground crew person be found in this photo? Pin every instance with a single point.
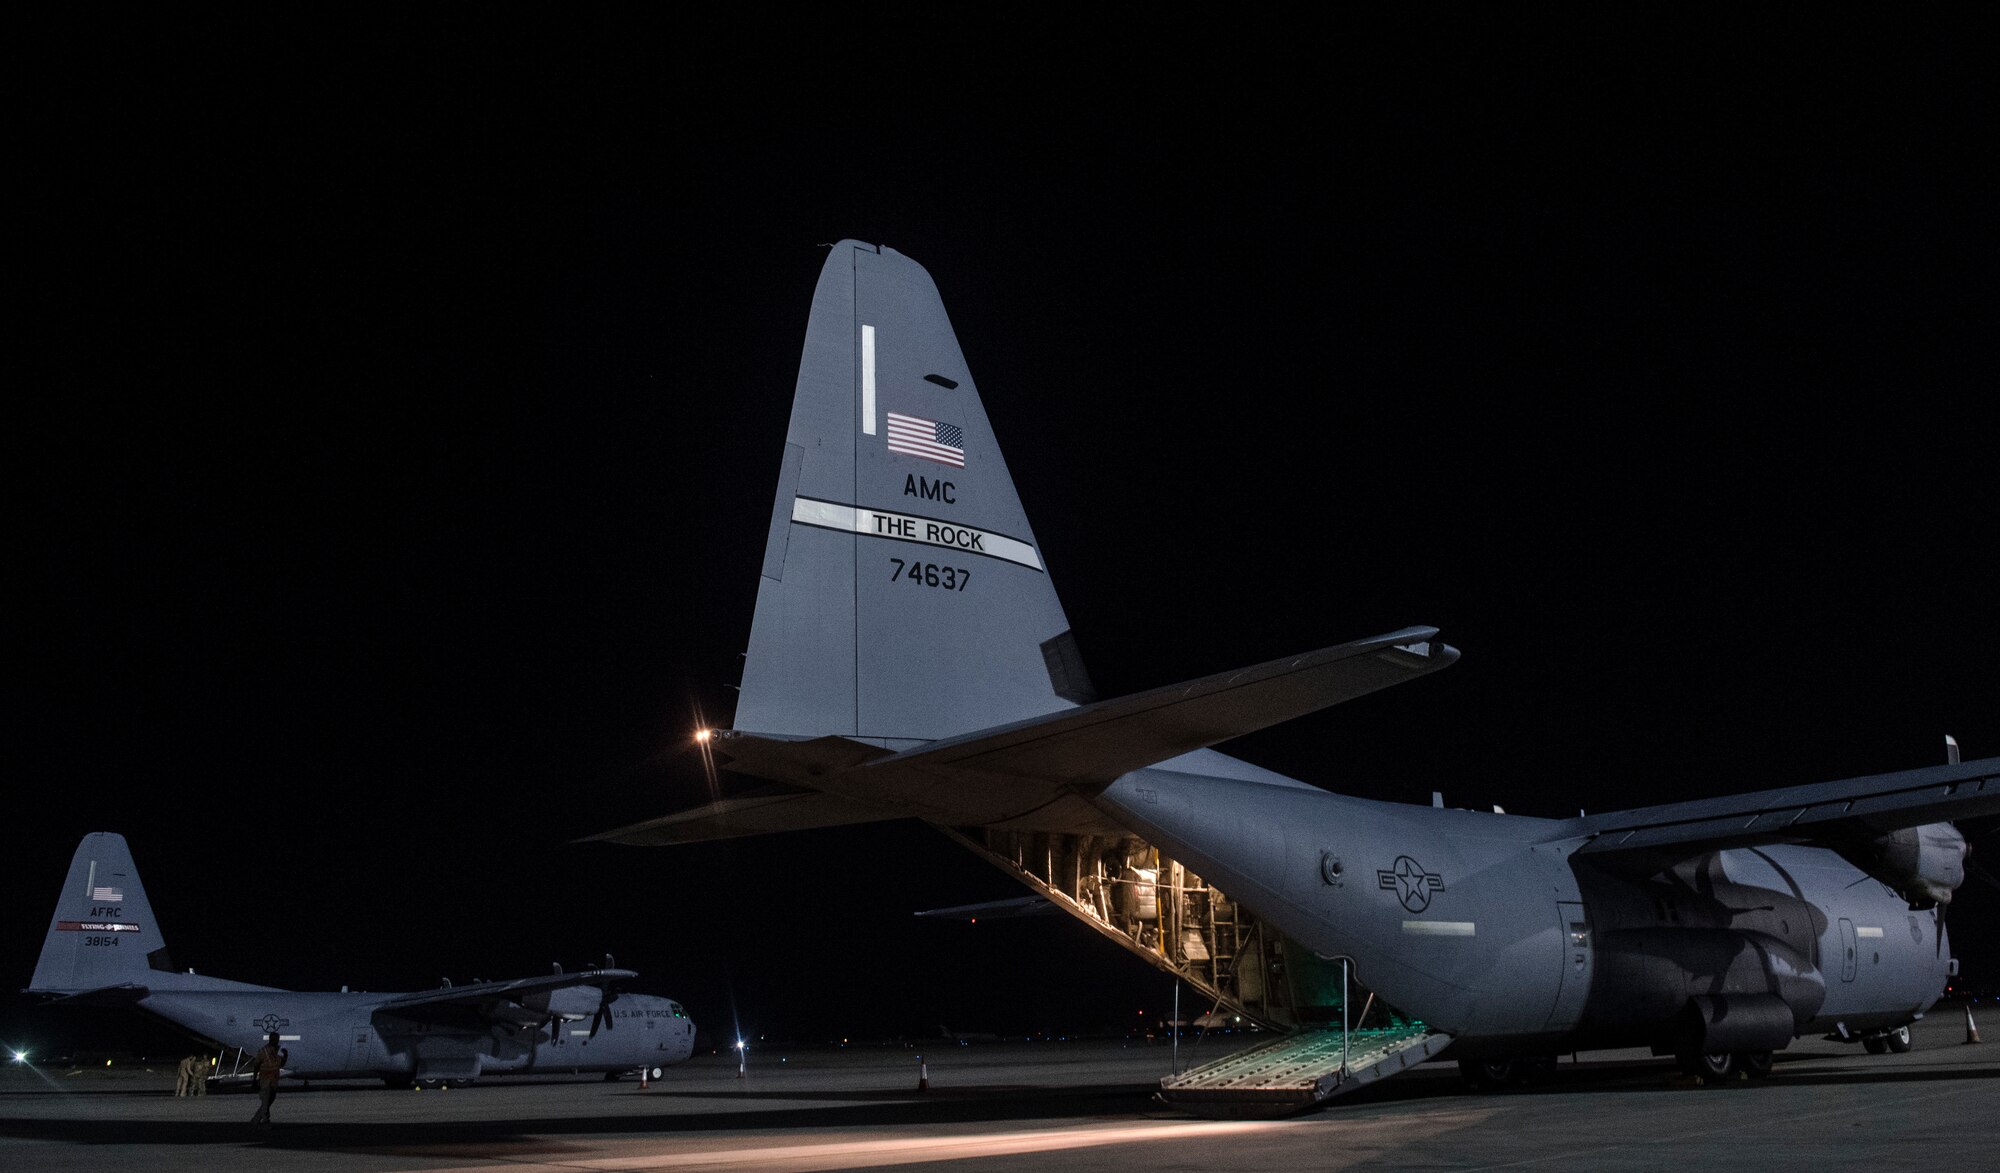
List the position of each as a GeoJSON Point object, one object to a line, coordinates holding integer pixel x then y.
{"type": "Point", "coordinates": [184, 1076]}
{"type": "Point", "coordinates": [269, 1062]}
{"type": "Point", "coordinates": [198, 1081]}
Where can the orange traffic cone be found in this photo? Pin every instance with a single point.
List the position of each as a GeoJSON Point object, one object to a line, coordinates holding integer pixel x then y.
{"type": "Point", "coordinates": [923, 1075]}
{"type": "Point", "coordinates": [1971, 1027]}
{"type": "Point", "coordinates": [643, 1073]}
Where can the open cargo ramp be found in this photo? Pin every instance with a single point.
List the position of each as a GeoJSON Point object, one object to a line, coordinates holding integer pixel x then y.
{"type": "Point", "coordinates": [1299, 1072]}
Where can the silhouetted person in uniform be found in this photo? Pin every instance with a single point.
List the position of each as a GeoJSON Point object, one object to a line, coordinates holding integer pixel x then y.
{"type": "Point", "coordinates": [184, 1076]}
{"type": "Point", "coordinates": [269, 1062]}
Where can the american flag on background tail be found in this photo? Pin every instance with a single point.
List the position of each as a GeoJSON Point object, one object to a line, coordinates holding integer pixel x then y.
{"type": "Point", "coordinates": [112, 894]}
{"type": "Point", "coordinates": [944, 443]}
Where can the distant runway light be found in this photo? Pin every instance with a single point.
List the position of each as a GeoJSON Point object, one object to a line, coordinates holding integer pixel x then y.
{"type": "Point", "coordinates": [20, 1056]}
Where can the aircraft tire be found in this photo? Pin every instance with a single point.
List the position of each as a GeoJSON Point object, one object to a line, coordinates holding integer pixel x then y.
{"type": "Point", "coordinates": [1713, 1068]}
{"type": "Point", "coordinates": [1875, 1044]}
{"type": "Point", "coordinates": [1898, 1040]}
{"type": "Point", "coordinates": [1490, 1074]}
{"type": "Point", "coordinates": [1755, 1064]}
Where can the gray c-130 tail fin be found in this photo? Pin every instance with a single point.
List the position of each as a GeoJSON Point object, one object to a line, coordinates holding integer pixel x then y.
{"type": "Point", "coordinates": [903, 596]}
{"type": "Point", "coordinates": [103, 933]}
{"type": "Point", "coordinates": [908, 655]}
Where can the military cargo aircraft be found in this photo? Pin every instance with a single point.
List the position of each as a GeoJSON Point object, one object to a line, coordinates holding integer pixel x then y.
{"type": "Point", "coordinates": [908, 658]}
{"type": "Point", "coordinates": [104, 948]}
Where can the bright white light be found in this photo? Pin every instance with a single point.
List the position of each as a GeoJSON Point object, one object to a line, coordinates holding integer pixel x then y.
{"type": "Point", "coordinates": [702, 734]}
{"type": "Point", "coordinates": [20, 1056]}
{"type": "Point", "coordinates": [740, 1044]}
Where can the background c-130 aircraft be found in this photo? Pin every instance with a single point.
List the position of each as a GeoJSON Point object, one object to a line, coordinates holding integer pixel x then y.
{"type": "Point", "coordinates": [908, 657]}
{"type": "Point", "coordinates": [104, 948]}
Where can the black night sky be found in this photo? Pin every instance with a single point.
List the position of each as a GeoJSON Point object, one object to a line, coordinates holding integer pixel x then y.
{"type": "Point", "coordinates": [395, 421]}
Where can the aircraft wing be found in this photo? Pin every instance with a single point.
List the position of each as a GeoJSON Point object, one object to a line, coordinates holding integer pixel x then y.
{"type": "Point", "coordinates": [1864, 806]}
{"type": "Point", "coordinates": [482, 996]}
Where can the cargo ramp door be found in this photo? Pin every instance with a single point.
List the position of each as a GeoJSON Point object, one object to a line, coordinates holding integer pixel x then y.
{"type": "Point", "coordinates": [1300, 1071]}
{"type": "Point", "coordinates": [1127, 890]}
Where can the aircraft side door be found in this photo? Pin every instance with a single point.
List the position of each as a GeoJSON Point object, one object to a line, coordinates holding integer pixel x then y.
{"type": "Point", "coordinates": [1578, 961]}
{"type": "Point", "coordinates": [1849, 948]}
{"type": "Point", "coordinates": [361, 1045]}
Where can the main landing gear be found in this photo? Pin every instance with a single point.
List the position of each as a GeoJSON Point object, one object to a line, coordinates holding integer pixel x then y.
{"type": "Point", "coordinates": [1897, 1040]}
{"type": "Point", "coordinates": [1495, 1074]}
{"type": "Point", "coordinates": [1717, 1066]}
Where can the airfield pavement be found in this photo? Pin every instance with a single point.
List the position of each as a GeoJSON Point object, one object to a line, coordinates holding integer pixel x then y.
{"type": "Point", "coordinates": [1020, 1106]}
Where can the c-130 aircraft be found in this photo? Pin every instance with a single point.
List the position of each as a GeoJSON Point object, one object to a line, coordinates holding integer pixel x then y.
{"type": "Point", "coordinates": [909, 658]}
{"type": "Point", "coordinates": [104, 948]}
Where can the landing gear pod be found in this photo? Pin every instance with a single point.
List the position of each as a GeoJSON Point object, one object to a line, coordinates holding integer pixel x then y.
{"type": "Point", "coordinates": [1716, 1024]}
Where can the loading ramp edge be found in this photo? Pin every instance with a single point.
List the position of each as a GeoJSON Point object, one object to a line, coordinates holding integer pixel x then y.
{"type": "Point", "coordinates": [1298, 1072]}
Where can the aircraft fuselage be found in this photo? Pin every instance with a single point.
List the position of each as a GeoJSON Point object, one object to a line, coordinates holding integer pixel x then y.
{"type": "Point", "coordinates": [352, 1036]}
{"type": "Point", "coordinates": [1487, 929]}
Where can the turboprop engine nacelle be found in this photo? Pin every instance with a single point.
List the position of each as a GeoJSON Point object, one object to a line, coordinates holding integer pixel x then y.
{"type": "Point", "coordinates": [1750, 988]}
{"type": "Point", "coordinates": [1926, 864]}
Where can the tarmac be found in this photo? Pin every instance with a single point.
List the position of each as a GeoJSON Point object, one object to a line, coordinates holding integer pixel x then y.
{"type": "Point", "coordinates": [1027, 1106]}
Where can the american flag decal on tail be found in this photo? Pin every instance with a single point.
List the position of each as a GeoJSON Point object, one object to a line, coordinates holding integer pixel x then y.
{"type": "Point", "coordinates": [912, 436]}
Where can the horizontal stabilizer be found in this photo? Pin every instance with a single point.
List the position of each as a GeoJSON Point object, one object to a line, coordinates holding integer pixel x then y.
{"type": "Point", "coordinates": [1875, 804]}
{"type": "Point", "coordinates": [995, 909]}
{"type": "Point", "coordinates": [1027, 775]}
{"type": "Point", "coordinates": [797, 762]}
{"type": "Point", "coordinates": [1031, 769]}
{"type": "Point", "coordinates": [104, 996]}
{"type": "Point", "coordinates": [761, 814]}
{"type": "Point", "coordinates": [1099, 742]}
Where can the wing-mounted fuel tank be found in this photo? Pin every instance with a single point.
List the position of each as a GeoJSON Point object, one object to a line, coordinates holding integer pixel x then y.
{"type": "Point", "coordinates": [1159, 909]}
{"type": "Point", "coordinates": [1925, 865]}
{"type": "Point", "coordinates": [1698, 958]}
